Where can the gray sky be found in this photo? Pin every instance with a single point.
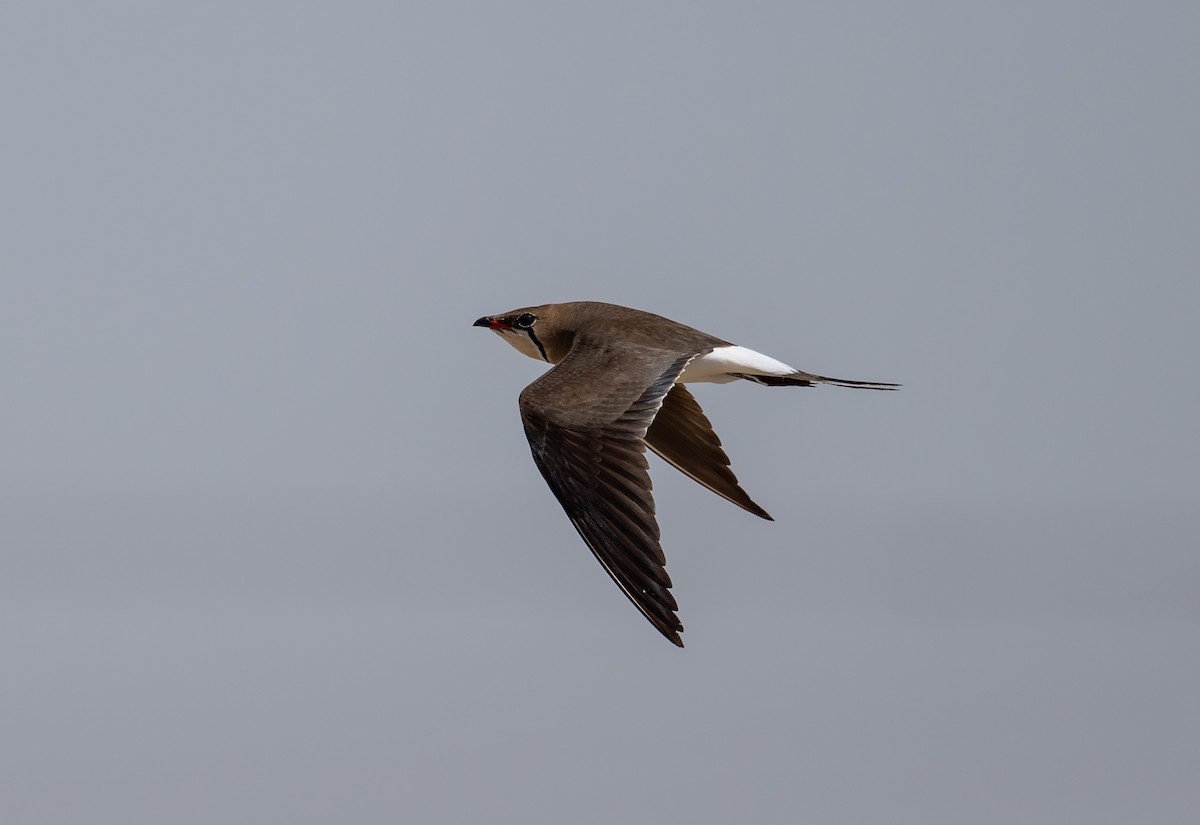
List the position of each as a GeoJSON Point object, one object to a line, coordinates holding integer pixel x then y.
{"type": "Point", "coordinates": [272, 548]}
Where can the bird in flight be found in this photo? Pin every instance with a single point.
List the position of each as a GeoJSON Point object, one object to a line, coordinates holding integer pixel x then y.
{"type": "Point", "coordinates": [618, 387]}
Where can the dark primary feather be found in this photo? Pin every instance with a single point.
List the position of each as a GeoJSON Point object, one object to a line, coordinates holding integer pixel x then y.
{"type": "Point", "coordinates": [594, 461]}
{"type": "Point", "coordinates": [682, 436]}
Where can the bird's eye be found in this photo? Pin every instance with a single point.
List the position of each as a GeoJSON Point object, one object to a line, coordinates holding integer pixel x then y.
{"type": "Point", "coordinates": [524, 321]}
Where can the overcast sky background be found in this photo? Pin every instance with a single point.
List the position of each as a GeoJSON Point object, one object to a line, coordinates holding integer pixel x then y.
{"type": "Point", "coordinates": [273, 547]}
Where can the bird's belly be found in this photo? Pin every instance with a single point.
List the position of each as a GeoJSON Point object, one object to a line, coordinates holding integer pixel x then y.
{"type": "Point", "coordinates": [725, 364]}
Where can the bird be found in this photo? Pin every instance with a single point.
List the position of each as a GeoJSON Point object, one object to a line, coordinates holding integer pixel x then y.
{"type": "Point", "coordinates": [618, 385]}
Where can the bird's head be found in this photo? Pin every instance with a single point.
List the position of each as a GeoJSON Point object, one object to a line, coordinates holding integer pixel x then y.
{"type": "Point", "coordinates": [534, 331]}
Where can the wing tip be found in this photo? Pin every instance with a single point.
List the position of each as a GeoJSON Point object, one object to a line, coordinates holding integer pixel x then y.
{"type": "Point", "coordinates": [750, 506]}
{"type": "Point", "coordinates": [667, 624]}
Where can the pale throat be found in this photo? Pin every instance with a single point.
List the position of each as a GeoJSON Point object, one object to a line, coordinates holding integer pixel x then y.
{"type": "Point", "coordinates": [521, 343]}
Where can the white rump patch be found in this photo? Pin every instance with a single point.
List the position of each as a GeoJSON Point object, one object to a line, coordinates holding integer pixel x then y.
{"type": "Point", "coordinates": [724, 364]}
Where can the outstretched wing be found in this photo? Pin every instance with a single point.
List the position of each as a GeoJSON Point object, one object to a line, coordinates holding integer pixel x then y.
{"type": "Point", "coordinates": [682, 436]}
{"type": "Point", "coordinates": [586, 421]}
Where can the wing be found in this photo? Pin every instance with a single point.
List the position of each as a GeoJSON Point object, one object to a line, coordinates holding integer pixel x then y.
{"type": "Point", "coordinates": [682, 436]}
{"type": "Point", "coordinates": [594, 461]}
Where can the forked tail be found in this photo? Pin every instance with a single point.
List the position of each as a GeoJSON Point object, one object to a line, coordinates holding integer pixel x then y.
{"type": "Point", "coordinates": [806, 379]}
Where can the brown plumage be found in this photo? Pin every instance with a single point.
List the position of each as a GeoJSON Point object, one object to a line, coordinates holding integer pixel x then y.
{"type": "Point", "coordinates": [616, 389]}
